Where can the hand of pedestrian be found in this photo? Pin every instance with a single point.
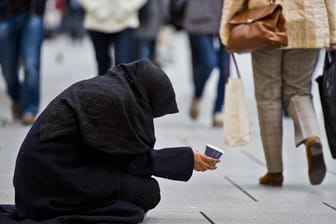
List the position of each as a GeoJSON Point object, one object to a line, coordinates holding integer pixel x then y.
{"type": "Point", "coordinates": [332, 47]}
{"type": "Point", "coordinates": [203, 162]}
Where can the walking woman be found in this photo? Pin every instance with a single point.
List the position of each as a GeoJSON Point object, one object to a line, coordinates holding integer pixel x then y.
{"type": "Point", "coordinates": [286, 75]}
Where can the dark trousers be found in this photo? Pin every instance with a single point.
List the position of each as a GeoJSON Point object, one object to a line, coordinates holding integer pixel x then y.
{"type": "Point", "coordinates": [21, 37]}
{"type": "Point", "coordinates": [123, 43]}
{"type": "Point", "coordinates": [206, 56]}
{"type": "Point", "coordinates": [141, 191]}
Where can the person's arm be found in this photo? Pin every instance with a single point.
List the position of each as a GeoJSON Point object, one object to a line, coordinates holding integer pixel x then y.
{"type": "Point", "coordinates": [172, 163]}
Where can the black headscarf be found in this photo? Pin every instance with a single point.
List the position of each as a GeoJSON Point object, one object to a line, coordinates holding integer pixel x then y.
{"type": "Point", "coordinates": [114, 112]}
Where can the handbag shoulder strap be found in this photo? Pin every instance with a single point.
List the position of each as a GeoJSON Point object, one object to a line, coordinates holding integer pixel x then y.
{"type": "Point", "coordinates": [236, 65]}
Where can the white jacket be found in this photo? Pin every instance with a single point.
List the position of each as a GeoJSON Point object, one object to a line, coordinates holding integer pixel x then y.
{"type": "Point", "coordinates": [111, 16]}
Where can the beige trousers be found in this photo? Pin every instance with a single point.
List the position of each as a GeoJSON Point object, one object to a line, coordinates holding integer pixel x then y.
{"type": "Point", "coordinates": [284, 77]}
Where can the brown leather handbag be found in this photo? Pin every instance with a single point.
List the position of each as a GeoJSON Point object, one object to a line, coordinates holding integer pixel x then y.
{"type": "Point", "coordinates": [262, 28]}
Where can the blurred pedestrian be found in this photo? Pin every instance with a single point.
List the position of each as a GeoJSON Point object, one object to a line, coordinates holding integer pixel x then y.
{"type": "Point", "coordinates": [89, 157]}
{"type": "Point", "coordinates": [72, 20]}
{"type": "Point", "coordinates": [286, 76]}
{"type": "Point", "coordinates": [202, 21]}
{"type": "Point", "coordinates": [21, 36]}
{"type": "Point", "coordinates": [112, 23]}
{"type": "Point", "coordinates": [153, 15]}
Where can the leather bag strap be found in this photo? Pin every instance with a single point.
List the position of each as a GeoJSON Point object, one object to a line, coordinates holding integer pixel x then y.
{"type": "Point", "coordinates": [236, 65]}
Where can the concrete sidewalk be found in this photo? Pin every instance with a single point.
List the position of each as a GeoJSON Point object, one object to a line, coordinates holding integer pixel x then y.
{"type": "Point", "coordinates": [230, 194]}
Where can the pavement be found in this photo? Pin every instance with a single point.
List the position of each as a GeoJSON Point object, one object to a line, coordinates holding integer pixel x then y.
{"type": "Point", "coordinates": [229, 195]}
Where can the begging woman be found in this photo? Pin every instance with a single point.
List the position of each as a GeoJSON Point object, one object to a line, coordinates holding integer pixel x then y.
{"type": "Point", "coordinates": [90, 157]}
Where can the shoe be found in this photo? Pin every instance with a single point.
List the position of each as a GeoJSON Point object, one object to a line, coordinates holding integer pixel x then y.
{"type": "Point", "coordinates": [28, 119]}
{"type": "Point", "coordinates": [194, 108]}
{"type": "Point", "coordinates": [15, 108]}
{"type": "Point", "coordinates": [217, 120]}
{"type": "Point", "coordinates": [271, 179]}
{"type": "Point", "coordinates": [316, 165]}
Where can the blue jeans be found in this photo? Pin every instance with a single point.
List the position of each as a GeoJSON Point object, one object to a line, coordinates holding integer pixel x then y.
{"type": "Point", "coordinates": [205, 57]}
{"type": "Point", "coordinates": [147, 49]}
{"type": "Point", "coordinates": [21, 38]}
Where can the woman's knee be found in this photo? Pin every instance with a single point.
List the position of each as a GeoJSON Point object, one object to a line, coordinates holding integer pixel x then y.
{"type": "Point", "coordinates": [149, 196]}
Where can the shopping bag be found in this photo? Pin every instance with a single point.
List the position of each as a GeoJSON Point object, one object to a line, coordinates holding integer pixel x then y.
{"type": "Point", "coordinates": [327, 89]}
{"type": "Point", "coordinates": [236, 120]}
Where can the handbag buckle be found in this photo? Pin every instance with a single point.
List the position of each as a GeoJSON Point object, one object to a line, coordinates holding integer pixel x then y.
{"type": "Point", "coordinates": [249, 21]}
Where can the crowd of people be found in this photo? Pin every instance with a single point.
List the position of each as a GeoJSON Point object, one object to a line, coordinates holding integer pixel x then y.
{"type": "Point", "coordinates": [131, 37]}
{"type": "Point", "coordinates": [96, 141]}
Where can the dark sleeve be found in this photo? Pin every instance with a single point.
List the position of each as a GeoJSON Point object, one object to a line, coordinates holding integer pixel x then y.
{"type": "Point", "coordinates": [171, 163]}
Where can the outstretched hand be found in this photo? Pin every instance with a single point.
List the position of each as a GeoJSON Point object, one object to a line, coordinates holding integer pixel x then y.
{"type": "Point", "coordinates": [203, 162]}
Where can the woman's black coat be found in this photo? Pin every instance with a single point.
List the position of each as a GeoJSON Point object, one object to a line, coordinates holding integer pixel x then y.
{"type": "Point", "coordinates": [83, 158]}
